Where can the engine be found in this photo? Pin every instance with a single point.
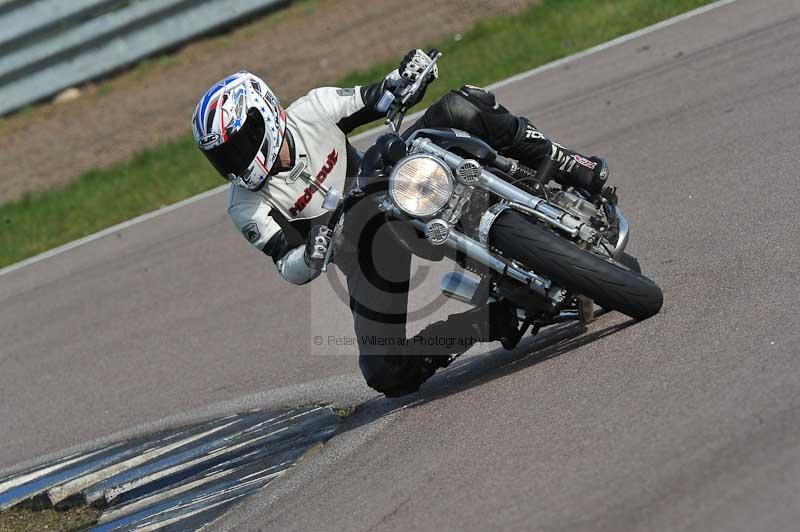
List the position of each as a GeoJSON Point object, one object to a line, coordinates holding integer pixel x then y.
{"type": "Point", "coordinates": [578, 207]}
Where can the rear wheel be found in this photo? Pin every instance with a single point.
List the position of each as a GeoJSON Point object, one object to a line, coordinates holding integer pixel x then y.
{"type": "Point", "coordinates": [610, 284]}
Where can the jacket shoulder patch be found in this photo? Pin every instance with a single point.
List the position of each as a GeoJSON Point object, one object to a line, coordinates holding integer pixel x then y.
{"type": "Point", "coordinates": [251, 232]}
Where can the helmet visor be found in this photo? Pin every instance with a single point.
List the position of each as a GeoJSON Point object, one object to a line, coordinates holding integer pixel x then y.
{"type": "Point", "coordinates": [236, 154]}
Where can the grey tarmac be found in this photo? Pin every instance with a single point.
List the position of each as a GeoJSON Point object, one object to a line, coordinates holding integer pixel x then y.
{"type": "Point", "coordinates": [687, 421]}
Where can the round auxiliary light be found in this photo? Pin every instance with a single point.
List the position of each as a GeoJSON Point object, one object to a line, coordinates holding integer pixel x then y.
{"type": "Point", "coordinates": [469, 172]}
{"type": "Point", "coordinates": [437, 231]}
{"type": "Point", "coordinates": [421, 185]}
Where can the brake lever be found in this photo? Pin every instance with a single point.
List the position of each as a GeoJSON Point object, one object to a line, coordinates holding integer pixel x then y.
{"type": "Point", "coordinates": [397, 108]}
{"type": "Point", "coordinates": [417, 85]}
{"type": "Point", "coordinates": [395, 118]}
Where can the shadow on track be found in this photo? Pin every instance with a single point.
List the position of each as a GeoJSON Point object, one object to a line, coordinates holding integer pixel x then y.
{"type": "Point", "coordinates": [466, 373]}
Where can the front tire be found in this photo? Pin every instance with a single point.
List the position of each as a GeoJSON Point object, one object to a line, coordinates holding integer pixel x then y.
{"type": "Point", "coordinates": [609, 284]}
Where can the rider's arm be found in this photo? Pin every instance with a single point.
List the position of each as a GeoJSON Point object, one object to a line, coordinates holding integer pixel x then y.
{"type": "Point", "coordinates": [350, 108]}
{"type": "Point", "coordinates": [254, 221]}
{"type": "Point", "coordinates": [347, 108]}
{"type": "Point", "coordinates": [291, 262]}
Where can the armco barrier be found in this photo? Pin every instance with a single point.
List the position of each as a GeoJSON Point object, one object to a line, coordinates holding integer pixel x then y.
{"type": "Point", "coordinates": [47, 46]}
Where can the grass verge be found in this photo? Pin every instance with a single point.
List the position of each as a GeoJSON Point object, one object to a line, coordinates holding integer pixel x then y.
{"type": "Point", "coordinates": [493, 49]}
{"type": "Point", "coordinates": [23, 519]}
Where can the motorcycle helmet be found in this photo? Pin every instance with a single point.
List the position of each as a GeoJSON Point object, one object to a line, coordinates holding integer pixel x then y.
{"type": "Point", "coordinates": [239, 126]}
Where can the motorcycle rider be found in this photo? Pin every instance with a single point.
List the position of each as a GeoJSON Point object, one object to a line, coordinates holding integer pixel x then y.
{"type": "Point", "coordinates": [253, 142]}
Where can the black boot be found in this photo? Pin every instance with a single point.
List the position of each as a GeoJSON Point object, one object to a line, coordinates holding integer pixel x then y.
{"type": "Point", "coordinates": [530, 147]}
{"type": "Point", "coordinates": [438, 344]}
{"type": "Point", "coordinates": [442, 341]}
{"type": "Point", "coordinates": [575, 170]}
{"type": "Point", "coordinates": [504, 324]}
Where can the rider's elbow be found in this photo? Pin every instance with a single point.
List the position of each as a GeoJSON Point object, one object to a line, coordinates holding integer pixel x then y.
{"type": "Point", "coordinates": [294, 269]}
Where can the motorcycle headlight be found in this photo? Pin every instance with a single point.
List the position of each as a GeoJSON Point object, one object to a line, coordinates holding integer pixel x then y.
{"type": "Point", "coordinates": [421, 185]}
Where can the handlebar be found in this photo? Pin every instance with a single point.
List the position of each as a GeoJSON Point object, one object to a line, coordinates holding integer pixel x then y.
{"type": "Point", "coordinates": [395, 105]}
{"type": "Point", "coordinates": [397, 108]}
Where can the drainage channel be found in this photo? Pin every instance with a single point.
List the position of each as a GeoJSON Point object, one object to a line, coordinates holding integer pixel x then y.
{"type": "Point", "coordinates": [174, 480]}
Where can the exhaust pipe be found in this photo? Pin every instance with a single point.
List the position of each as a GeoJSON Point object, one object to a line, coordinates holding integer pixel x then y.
{"type": "Point", "coordinates": [460, 286]}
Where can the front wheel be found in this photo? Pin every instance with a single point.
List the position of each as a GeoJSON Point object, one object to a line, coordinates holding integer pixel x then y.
{"type": "Point", "coordinates": [609, 284]}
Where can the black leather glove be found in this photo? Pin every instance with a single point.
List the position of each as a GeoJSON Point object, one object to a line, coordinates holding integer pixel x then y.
{"type": "Point", "coordinates": [412, 65]}
{"type": "Point", "coordinates": [317, 243]}
{"type": "Point", "coordinates": [411, 68]}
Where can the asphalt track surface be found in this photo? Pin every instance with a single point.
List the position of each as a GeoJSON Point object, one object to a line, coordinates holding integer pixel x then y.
{"type": "Point", "coordinates": [687, 421]}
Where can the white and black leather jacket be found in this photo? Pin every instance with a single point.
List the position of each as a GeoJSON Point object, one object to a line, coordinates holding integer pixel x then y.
{"type": "Point", "coordinates": [278, 217]}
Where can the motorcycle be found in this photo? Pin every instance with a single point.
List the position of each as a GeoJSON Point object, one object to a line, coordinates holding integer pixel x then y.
{"type": "Point", "coordinates": [550, 250]}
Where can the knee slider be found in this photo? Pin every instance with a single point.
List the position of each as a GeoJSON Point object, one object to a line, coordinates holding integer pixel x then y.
{"type": "Point", "coordinates": [390, 375]}
{"type": "Point", "coordinates": [392, 386]}
{"type": "Point", "coordinates": [478, 96]}
{"type": "Point", "coordinates": [453, 110]}
{"type": "Point", "coordinates": [380, 373]}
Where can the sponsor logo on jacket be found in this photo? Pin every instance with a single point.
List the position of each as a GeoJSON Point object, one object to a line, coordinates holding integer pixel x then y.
{"type": "Point", "coordinates": [322, 175]}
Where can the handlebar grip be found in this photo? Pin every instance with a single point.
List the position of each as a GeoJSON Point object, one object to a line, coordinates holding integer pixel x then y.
{"type": "Point", "coordinates": [503, 164]}
{"type": "Point", "coordinates": [523, 172]}
{"type": "Point", "coordinates": [514, 169]}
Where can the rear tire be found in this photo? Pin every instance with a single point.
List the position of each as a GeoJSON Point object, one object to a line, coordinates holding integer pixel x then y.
{"type": "Point", "coordinates": [610, 284]}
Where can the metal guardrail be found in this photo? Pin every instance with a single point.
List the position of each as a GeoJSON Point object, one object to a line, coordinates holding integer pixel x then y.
{"type": "Point", "coordinates": [47, 46]}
